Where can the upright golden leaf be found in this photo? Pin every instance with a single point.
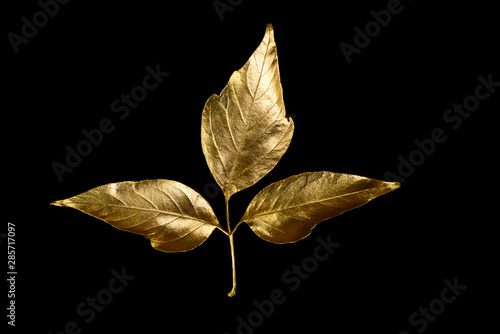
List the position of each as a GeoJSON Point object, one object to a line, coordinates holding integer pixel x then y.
{"type": "Point", "coordinates": [287, 210]}
{"type": "Point", "coordinates": [244, 131]}
{"type": "Point", "coordinates": [172, 215]}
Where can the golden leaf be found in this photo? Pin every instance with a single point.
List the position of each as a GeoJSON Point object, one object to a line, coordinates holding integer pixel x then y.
{"type": "Point", "coordinates": [287, 210]}
{"type": "Point", "coordinates": [244, 131]}
{"type": "Point", "coordinates": [172, 215]}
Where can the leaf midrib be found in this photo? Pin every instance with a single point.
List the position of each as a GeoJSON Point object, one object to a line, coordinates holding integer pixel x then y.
{"type": "Point", "coordinates": [161, 212]}
{"type": "Point", "coordinates": [308, 203]}
{"type": "Point", "coordinates": [238, 151]}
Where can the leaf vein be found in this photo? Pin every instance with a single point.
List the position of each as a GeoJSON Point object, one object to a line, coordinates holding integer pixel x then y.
{"type": "Point", "coordinates": [307, 203]}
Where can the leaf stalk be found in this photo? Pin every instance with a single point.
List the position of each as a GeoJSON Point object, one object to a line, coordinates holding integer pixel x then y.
{"type": "Point", "coordinates": [230, 233]}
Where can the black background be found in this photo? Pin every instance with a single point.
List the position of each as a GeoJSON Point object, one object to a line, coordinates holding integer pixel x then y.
{"type": "Point", "coordinates": [353, 118]}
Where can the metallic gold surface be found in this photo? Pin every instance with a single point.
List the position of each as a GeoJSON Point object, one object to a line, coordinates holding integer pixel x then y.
{"type": "Point", "coordinates": [287, 210]}
{"type": "Point", "coordinates": [172, 215]}
{"type": "Point", "coordinates": [244, 131]}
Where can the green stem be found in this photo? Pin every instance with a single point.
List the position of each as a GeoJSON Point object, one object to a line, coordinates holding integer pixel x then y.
{"type": "Point", "coordinates": [232, 293]}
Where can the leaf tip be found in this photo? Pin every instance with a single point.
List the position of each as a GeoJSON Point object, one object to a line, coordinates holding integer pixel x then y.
{"type": "Point", "coordinates": [269, 31]}
{"type": "Point", "coordinates": [58, 203]}
{"type": "Point", "coordinates": [395, 185]}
